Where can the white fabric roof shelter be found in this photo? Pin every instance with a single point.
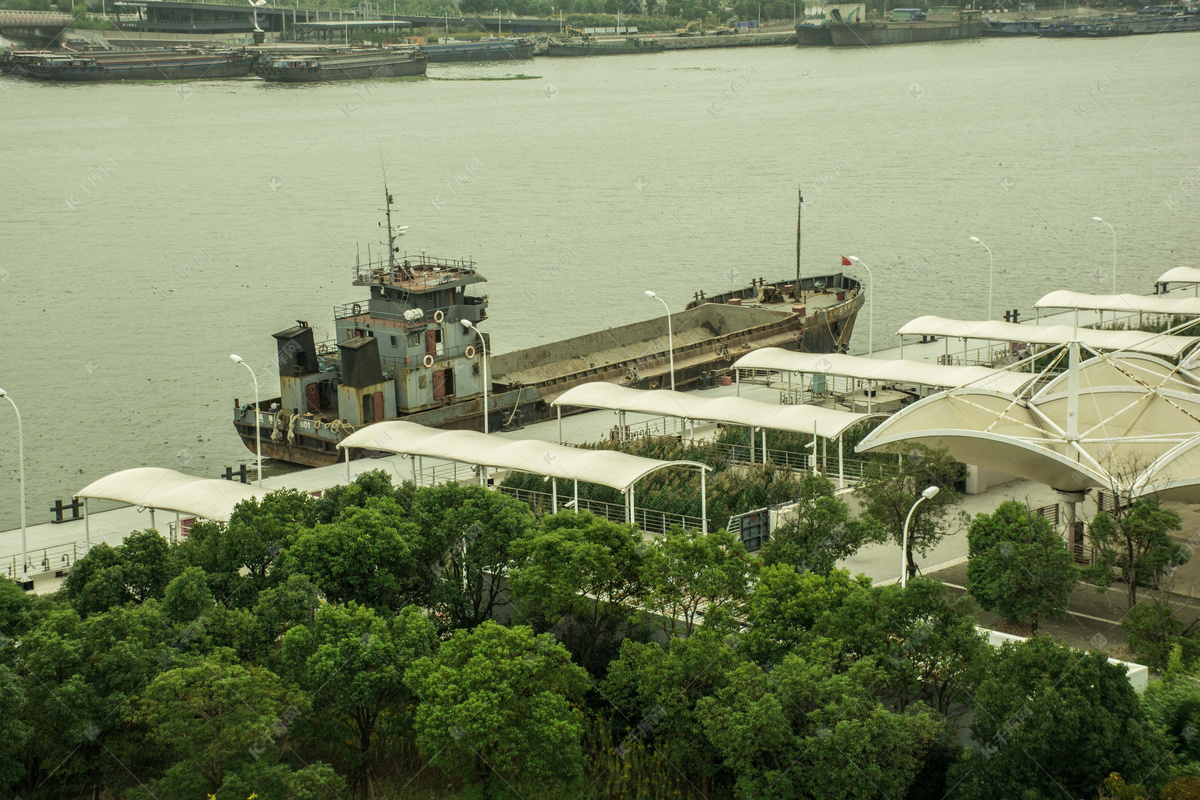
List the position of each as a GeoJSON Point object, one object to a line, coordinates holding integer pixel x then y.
{"type": "Point", "coordinates": [1134, 341]}
{"type": "Point", "coordinates": [168, 490]}
{"type": "Point", "coordinates": [825, 422]}
{"type": "Point", "coordinates": [1130, 433]}
{"type": "Point", "coordinates": [828, 423]}
{"type": "Point", "coordinates": [923, 373]}
{"type": "Point", "coordinates": [605, 467]}
{"type": "Point", "coordinates": [1180, 275]}
{"type": "Point", "coordinates": [1124, 303]}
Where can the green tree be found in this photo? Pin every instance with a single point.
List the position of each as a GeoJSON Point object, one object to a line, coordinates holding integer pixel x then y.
{"type": "Point", "coordinates": [1019, 567]}
{"type": "Point", "coordinates": [1138, 544]}
{"type": "Point", "coordinates": [13, 731]}
{"type": "Point", "coordinates": [222, 726]}
{"type": "Point", "coordinates": [187, 597]}
{"type": "Point", "coordinates": [259, 531]}
{"type": "Point", "coordinates": [351, 661]}
{"type": "Point", "coordinates": [1042, 699]}
{"type": "Point", "coordinates": [824, 531]}
{"type": "Point", "coordinates": [888, 495]}
{"type": "Point", "coordinates": [500, 708]}
{"type": "Point", "coordinates": [471, 530]}
{"type": "Point", "coordinates": [374, 483]}
{"type": "Point", "coordinates": [786, 605]}
{"type": "Point", "coordinates": [135, 571]}
{"type": "Point", "coordinates": [1154, 632]}
{"type": "Point", "coordinates": [583, 576]}
{"type": "Point", "coordinates": [688, 573]}
{"type": "Point", "coordinates": [280, 608]}
{"type": "Point", "coordinates": [656, 694]}
{"type": "Point", "coordinates": [369, 555]}
{"type": "Point", "coordinates": [802, 732]}
{"type": "Point", "coordinates": [1173, 705]}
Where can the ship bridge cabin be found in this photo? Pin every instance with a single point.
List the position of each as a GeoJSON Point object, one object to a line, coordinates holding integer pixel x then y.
{"type": "Point", "coordinates": [404, 350]}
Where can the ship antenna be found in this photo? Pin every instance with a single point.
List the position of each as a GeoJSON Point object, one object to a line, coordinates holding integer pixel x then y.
{"type": "Point", "coordinates": [391, 231]}
{"type": "Point", "coordinates": [799, 209]}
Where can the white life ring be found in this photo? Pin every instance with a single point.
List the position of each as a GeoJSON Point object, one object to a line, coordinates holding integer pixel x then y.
{"type": "Point", "coordinates": [470, 351]}
{"type": "Point", "coordinates": [438, 316]}
{"type": "Point", "coordinates": [428, 360]}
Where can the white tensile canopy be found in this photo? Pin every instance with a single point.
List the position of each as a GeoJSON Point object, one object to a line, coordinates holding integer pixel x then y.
{"type": "Point", "coordinates": [1130, 432]}
{"type": "Point", "coordinates": [826, 422]}
{"type": "Point", "coordinates": [168, 490]}
{"type": "Point", "coordinates": [605, 467]}
{"type": "Point", "coordinates": [923, 373]}
{"type": "Point", "coordinates": [1180, 275]}
{"type": "Point", "coordinates": [1134, 341]}
{"type": "Point", "coordinates": [1154, 304]}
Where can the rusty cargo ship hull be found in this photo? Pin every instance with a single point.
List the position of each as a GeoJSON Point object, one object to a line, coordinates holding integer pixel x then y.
{"type": "Point", "coordinates": [708, 336]}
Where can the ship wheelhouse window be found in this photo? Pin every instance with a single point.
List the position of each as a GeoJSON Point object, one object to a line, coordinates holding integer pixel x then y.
{"type": "Point", "coordinates": [393, 338]}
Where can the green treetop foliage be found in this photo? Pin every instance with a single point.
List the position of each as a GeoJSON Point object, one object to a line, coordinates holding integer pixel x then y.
{"type": "Point", "coordinates": [501, 709]}
{"type": "Point", "coordinates": [223, 727]}
{"type": "Point", "coordinates": [135, 571]}
{"type": "Point", "coordinates": [14, 732]}
{"type": "Point", "coordinates": [823, 532]}
{"type": "Point", "coordinates": [351, 661]}
{"type": "Point", "coordinates": [1019, 567]}
{"type": "Point", "coordinates": [888, 496]}
{"type": "Point", "coordinates": [370, 555]}
{"type": "Point", "coordinates": [1137, 544]}
{"type": "Point", "coordinates": [800, 732]}
{"type": "Point", "coordinates": [1154, 632]}
{"type": "Point", "coordinates": [470, 530]}
{"type": "Point", "coordinates": [582, 576]}
{"type": "Point", "coordinates": [655, 694]}
{"type": "Point", "coordinates": [1042, 700]}
{"type": "Point", "coordinates": [688, 574]}
{"type": "Point", "coordinates": [786, 605]}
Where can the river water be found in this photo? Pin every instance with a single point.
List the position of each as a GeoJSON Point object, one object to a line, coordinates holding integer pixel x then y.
{"type": "Point", "coordinates": [151, 230]}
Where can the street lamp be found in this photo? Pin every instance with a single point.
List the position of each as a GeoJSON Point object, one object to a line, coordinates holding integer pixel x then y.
{"type": "Point", "coordinates": [1114, 233]}
{"type": "Point", "coordinates": [975, 239]}
{"type": "Point", "coordinates": [257, 427]}
{"type": "Point", "coordinates": [928, 494]}
{"type": "Point", "coordinates": [21, 478]}
{"type": "Point", "coordinates": [871, 309]}
{"type": "Point", "coordinates": [670, 335]}
{"type": "Point", "coordinates": [466, 323]}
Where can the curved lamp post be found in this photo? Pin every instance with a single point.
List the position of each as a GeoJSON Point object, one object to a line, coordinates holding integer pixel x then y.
{"type": "Point", "coordinates": [670, 335]}
{"type": "Point", "coordinates": [21, 477]}
{"type": "Point", "coordinates": [1114, 233]}
{"type": "Point", "coordinates": [871, 309]}
{"type": "Point", "coordinates": [975, 239]}
{"type": "Point", "coordinates": [257, 426]}
{"type": "Point", "coordinates": [466, 323]}
{"type": "Point", "coordinates": [928, 494]}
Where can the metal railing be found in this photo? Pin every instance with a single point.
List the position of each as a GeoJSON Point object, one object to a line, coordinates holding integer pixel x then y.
{"type": "Point", "coordinates": [854, 469]}
{"type": "Point", "coordinates": [46, 559]}
{"type": "Point", "coordinates": [646, 519]}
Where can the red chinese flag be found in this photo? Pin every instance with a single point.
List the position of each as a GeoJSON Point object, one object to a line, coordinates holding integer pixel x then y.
{"type": "Point", "coordinates": [845, 261]}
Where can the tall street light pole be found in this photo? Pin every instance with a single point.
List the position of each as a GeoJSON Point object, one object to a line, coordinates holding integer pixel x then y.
{"type": "Point", "coordinates": [466, 323]}
{"type": "Point", "coordinates": [871, 308]}
{"type": "Point", "coordinates": [975, 239]}
{"type": "Point", "coordinates": [670, 335]}
{"type": "Point", "coordinates": [21, 478]}
{"type": "Point", "coordinates": [928, 494]}
{"type": "Point", "coordinates": [1114, 233]}
{"type": "Point", "coordinates": [257, 426]}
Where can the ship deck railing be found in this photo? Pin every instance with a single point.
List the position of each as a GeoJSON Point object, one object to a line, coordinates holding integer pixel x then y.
{"type": "Point", "coordinates": [443, 270]}
{"type": "Point", "coordinates": [328, 351]}
{"type": "Point", "coordinates": [360, 310]}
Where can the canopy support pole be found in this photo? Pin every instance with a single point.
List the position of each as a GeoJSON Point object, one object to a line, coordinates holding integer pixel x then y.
{"type": "Point", "coordinates": [87, 528]}
{"type": "Point", "coordinates": [554, 495]}
{"type": "Point", "coordinates": [152, 525]}
{"type": "Point", "coordinates": [841, 465]}
{"type": "Point", "coordinates": [577, 495]}
{"type": "Point", "coordinates": [632, 506]}
{"type": "Point", "coordinates": [902, 347]}
{"type": "Point", "coordinates": [764, 445]}
{"type": "Point", "coordinates": [703, 502]}
{"type": "Point", "coordinates": [824, 455]}
{"type": "Point", "coordinates": [964, 351]}
{"type": "Point", "coordinates": [737, 380]}
{"type": "Point", "coordinates": [814, 455]}
{"type": "Point", "coordinates": [870, 396]}
{"type": "Point", "coordinates": [413, 460]}
{"type": "Point", "coordinates": [559, 424]}
{"type": "Point", "coordinates": [348, 478]}
{"type": "Point", "coordinates": [752, 444]}
{"type": "Point", "coordinates": [175, 533]}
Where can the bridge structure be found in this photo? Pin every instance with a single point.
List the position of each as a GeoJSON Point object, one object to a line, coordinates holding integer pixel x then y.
{"type": "Point", "coordinates": [37, 24]}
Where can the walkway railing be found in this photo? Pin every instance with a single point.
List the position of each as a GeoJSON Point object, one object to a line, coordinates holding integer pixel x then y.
{"type": "Point", "coordinates": [648, 520]}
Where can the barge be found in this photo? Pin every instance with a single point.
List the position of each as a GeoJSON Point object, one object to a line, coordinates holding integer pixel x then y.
{"type": "Point", "coordinates": [494, 50]}
{"type": "Point", "coordinates": [165, 65]}
{"type": "Point", "coordinates": [596, 48]}
{"type": "Point", "coordinates": [407, 352]}
{"type": "Point", "coordinates": [348, 65]}
{"type": "Point", "coordinates": [911, 26]}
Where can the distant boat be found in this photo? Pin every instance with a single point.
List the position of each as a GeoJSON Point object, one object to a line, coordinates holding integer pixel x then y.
{"type": "Point", "coordinates": [908, 25]}
{"type": "Point", "coordinates": [594, 48]}
{"type": "Point", "coordinates": [495, 50]}
{"type": "Point", "coordinates": [813, 35]}
{"type": "Point", "coordinates": [161, 65]}
{"type": "Point", "coordinates": [1021, 27]}
{"type": "Point", "coordinates": [349, 65]}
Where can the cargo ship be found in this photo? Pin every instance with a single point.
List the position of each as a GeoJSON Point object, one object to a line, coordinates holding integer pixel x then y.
{"type": "Point", "coordinates": [147, 65]}
{"type": "Point", "coordinates": [348, 65]}
{"type": "Point", "coordinates": [813, 35]}
{"type": "Point", "coordinates": [908, 25]}
{"type": "Point", "coordinates": [596, 48]}
{"type": "Point", "coordinates": [494, 50]}
{"type": "Point", "coordinates": [407, 352]}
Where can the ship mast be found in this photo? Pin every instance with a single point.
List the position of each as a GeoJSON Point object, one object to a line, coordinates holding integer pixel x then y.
{"type": "Point", "coordinates": [393, 233]}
